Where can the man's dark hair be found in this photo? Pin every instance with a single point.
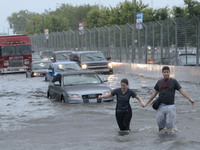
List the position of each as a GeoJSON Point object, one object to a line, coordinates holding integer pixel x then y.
{"type": "Point", "coordinates": [165, 68]}
{"type": "Point", "coordinates": [124, 81]}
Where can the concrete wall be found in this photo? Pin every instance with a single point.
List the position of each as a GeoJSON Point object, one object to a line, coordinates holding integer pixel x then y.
{"type": "Point", "coordinates": [181, 73]}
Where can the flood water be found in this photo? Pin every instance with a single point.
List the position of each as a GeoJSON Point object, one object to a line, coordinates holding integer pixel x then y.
{"type": "Point", "coordinates": [30, 121]}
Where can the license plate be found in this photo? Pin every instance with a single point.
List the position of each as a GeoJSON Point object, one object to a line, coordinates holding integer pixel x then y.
{"type": "Point", "coordinates": [91, 96]}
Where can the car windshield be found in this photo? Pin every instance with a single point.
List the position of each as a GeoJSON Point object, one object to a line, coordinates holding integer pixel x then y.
{"type": "Point", "coordinates": [66, 67]}
{"type": "Point", "coordinates": [46, 54]}
{"type": "Point", "coordinates": [63, 56]}
{"type": "Point", "coordinates": [81, 79]}
{"type": "Point", "coordinates": [94, 56]}
{"type": "Point", "coordinates": [191, 60]}
{"type": "Point", "coordinates": [41, 65]}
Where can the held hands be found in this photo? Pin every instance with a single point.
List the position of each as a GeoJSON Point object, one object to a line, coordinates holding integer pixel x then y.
{"type": "Point", "coordinates": [192, 102]}
{"type": "Point", "coordinates": [143, 104]}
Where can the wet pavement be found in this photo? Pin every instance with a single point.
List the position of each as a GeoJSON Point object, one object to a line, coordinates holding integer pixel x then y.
{"type": "Point", "coordinates": [30, 121]}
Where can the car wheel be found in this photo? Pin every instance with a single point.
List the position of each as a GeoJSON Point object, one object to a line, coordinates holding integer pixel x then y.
{"type": "Point", "coordinates": [48, 96]}
{"type": "Point", "coordinates": [99, 100]}
{"type": "Point", "coordinates": [27, 76]}
{"type": "Point", "coordinates": [62, 99]}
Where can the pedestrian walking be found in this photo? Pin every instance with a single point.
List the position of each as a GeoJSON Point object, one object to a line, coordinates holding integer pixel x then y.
{"type": "Point", "coordinates": [166, 112]}
{"type": "Point", "coordinates": [123, 111]}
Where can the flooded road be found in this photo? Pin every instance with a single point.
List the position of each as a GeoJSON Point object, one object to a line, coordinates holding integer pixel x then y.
{"type": "Point", "coordinates": [30, 121]}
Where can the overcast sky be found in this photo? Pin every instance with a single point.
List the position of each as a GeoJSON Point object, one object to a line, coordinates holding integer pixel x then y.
{"type": "Point", "coordinates": [7, 7]}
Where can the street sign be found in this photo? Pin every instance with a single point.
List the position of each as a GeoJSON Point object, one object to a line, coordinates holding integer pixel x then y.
{"type": "Point", "coordinates": [139, 20]}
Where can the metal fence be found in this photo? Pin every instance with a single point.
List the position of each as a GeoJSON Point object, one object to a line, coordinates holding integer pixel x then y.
{"type": "Point", "coordinates": [140, 43]}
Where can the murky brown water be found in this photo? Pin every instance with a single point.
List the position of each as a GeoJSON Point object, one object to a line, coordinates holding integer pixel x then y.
{"type": "Point", "coordinates": [28, 120]}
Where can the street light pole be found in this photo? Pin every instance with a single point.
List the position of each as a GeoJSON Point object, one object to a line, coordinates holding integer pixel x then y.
{"type": "Point", "coordinates": [134, 9]}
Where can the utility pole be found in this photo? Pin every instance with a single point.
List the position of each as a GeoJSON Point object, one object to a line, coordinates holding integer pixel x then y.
{"type": "Point", "coordinates": [134, 9]}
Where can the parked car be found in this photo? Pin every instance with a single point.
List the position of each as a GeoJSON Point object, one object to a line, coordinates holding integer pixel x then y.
{"type": "Point", "coordinates": [61, 56]}
{"type": "Point", "coordinates": [185, 60]}
{"type": "Point", "coordinates": [78, 87]}
{"type": "Point", "coordinates": [92, 60]}
{"type": "Point", "coordinates": [163, 61]}
{"type": "Point", "coordinates": [58, 67]}
{"type": "Point", "coordinates": [36, 57]}
{"type": "Point", "coordinates": [46, 54]}
{"type": "Point", "coordinates": [38, 69]}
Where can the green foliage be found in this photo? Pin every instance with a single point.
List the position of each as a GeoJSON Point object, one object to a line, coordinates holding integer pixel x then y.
{"type": "Point", "coordinates": [68, 17]}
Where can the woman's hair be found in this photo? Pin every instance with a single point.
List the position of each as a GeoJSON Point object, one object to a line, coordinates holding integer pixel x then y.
{"type": "Point", "coordinates": [165, 68]}
{"type": "Point", "coordinates": [124, 81]}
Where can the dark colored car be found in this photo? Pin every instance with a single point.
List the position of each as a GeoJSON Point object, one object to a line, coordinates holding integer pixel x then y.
{"type": "Point", "coordinates": [78, 87]}
{"type": "Point", "coordinates": [61, 56]}
{"type": "Point", "coordinates": [46, 54]}
{"type": "Point", "coordinates": [38, 69]}
{"type": "Point", "coordinates": [185, 60]}
{"type": "Point", "coordinates": [92, 60]}
{"type": "Point", "coordinates": [58, 67]}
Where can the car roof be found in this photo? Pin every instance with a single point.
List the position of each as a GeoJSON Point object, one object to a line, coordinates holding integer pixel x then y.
{"type": "Point", "coordinates": [64, 62]}
{"type": "Point", "coordinates": [82, 52]}
{"type": "Point", "coordinates": [189, 54]}
{"type": "Point", "coordinates": [41, 61]}
{"type": "Point", "coordinates": [77, 72]}
{"type": "Point", "coordinates": [66, 51]}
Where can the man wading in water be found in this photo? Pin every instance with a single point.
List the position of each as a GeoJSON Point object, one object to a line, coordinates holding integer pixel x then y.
{"type": "Point", "coordinates": [123, 108]}
{"type": "Point", "coordinates": [166, 113]}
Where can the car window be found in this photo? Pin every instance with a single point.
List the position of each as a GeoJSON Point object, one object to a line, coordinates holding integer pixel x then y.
{"type": "Point", "coordinates": [97, 56]}
{"type": "Point", "coordinates": [66, 67]}
{"type": "Point", "coordinates": [190, 60]}
{"type": "Point", "coordinates": [41, 65]}
{"type": "Point", "coordinates": [62, 56]}
{"type": "Point", "coordinates": [81, 79]}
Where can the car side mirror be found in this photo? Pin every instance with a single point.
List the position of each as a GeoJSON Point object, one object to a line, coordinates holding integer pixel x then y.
{"type": "Point", "coordinates": [57, 83]}
{"type": "Point", "coordinates": [108, 58]}
{"type": "Point", "coordinates": [52, 59]}
{"type": "Point", "coordinates": [104, 80]}
{"type": "Point", "coordinates": [50, 70]}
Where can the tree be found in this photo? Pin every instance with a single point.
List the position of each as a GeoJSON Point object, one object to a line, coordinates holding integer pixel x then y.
{"type": "Point", "coordinates": [179, 12]}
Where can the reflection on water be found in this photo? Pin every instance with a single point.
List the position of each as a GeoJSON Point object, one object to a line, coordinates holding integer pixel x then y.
{"type": "Point", "coordinates": [24, 107]}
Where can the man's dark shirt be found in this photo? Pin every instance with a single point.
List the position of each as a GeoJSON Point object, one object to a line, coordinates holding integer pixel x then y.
{"type": "Point", "coordinates": [166, 89]}
{"type": "Point", "coordinates": [123, 104]}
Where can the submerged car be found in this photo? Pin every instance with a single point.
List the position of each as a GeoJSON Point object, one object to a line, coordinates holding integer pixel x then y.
{"type": "Point", "coordinates": [58, 67]}
{"type": "Point", "coordinates": [38, 69]}
{"type": "Point", "coordinates": [185, 60]}
{"type": "Point", "coordinates": [58, 56]}
{"type": "Point", "coordinates": [78, 87]}
{"type": "Point", "coordinates": [92, 60]}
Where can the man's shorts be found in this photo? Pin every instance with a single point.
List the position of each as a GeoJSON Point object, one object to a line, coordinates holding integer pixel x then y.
{"type": "Point", "coordinates": [166, 116]}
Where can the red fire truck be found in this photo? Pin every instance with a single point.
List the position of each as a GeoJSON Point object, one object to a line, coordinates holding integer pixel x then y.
{"type": "Point", "coordinates": [15, 53]}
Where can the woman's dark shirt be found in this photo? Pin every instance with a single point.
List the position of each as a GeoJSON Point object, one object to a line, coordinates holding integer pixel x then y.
{"type": "Point", "coordinates": [123, 104]}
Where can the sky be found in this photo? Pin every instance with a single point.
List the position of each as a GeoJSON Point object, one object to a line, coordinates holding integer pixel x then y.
{"type": "Point", "coordinates": [7, 7]}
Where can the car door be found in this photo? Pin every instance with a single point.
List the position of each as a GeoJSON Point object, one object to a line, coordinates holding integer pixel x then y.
{"type": "Point", "coordinates": [56, 89]}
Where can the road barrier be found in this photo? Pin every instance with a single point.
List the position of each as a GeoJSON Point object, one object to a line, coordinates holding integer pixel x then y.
{"type": "Point", "coordinates": [181, 73]}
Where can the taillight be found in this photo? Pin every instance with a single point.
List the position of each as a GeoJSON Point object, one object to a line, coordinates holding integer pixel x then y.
{"type": "Point", "coordinates": [6, 63]}
{"type": "Point", "coordinates": [26, 62]}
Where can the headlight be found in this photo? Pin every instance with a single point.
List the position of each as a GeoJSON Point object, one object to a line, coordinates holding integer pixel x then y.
{"type": "Point", "coordinates": [84, 66]}
{"type": "Point", "coordinates": [35, 74]}
{"type": "Point", "coordinates": [74, 96]}
{"type": "Point", "coordinates": [110, 65]}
